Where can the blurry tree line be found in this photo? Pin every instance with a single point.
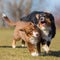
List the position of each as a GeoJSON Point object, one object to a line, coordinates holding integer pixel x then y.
{"type": "Point", "coordinates": [14, 9]}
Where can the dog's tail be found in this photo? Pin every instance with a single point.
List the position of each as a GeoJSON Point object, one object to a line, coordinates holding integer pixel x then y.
{"type": "Point", "coordinates": [8, 21]}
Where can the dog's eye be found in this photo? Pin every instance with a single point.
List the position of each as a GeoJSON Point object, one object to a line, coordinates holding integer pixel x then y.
{"type": "Point", "coordinates": [21, 29]}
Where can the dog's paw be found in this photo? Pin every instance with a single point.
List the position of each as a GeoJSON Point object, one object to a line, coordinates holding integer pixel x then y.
{"type": "Point", "coordinates": [23, 46]}
{"type": "Point", "coordinates": [35, 54]}
{"type": "Point", "coordinates": [46, 48]}
{"type": "Point", "coordinates": [13, 46]}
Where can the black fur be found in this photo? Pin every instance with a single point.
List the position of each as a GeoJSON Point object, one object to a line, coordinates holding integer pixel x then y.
{"type": "Point", "coordinates": [32, 17]}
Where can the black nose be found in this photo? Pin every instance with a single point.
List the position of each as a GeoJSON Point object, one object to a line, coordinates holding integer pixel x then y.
{"type": "Point", "coordinates": [37, 35]}
{"type": "Point", "coordinates": [42, 18]}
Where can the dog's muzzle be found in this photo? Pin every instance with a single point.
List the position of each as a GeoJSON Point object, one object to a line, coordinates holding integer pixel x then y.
{"type": "Point", "coordinates": [35, 34]}
{"type": "Point", "coordinates": [33, 40]}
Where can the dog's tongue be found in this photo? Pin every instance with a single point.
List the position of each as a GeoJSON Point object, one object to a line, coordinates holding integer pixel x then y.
{"type": "Point", "coordinates": [44, 24]}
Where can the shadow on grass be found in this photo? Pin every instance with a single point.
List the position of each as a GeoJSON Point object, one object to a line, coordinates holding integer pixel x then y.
{"type": "Point", "coordinates": [11, 47]}
{"type": "Point", "coordinates": [53, 53]}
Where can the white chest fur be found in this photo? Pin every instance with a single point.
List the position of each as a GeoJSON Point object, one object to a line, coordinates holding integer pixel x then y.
{"type": "Point", "coordinates": [45, 33]}
{"type": "Point", "coordinates": [34, 40]}
{"type": "Point", "coordinates": [46, 37]}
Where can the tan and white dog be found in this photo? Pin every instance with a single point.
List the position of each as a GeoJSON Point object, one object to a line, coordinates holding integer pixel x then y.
{"type": "Point", "coordinates": [26, 31]}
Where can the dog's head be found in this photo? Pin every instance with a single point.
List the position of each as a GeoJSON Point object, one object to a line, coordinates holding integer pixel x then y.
{"type": "Point", "coordinates": [33, 33]}
{"type": "Point", "coordinates": [44, 21]}
{"type": "Point", "coordinates": [32, 30]}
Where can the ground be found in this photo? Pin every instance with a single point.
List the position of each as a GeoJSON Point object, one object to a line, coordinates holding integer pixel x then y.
{"type": "Point", "coordinates": [19, 53]}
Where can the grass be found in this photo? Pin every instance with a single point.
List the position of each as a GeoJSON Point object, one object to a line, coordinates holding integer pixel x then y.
{"type": "Point", "coordinates": [8, 53]}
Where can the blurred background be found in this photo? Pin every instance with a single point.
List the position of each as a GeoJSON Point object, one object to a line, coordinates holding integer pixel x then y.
{"type": "Point", "coordinates": [19, 8]}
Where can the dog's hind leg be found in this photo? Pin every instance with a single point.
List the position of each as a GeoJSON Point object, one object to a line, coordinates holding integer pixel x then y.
{"type": "Point", "coordinates": [38, 48]}
{"type": "Point", "coordinates": [16, 37]}
{"type": "Point", "coordinates": [14, 43]}
{"type": "Point", "coordinates": [46, 48]}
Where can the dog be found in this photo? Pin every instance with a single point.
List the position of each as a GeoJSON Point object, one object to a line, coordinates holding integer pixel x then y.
{"type": "Point", "coordinates": [27, 31]}
{"type": "Point", "coordinates": [45, 22]}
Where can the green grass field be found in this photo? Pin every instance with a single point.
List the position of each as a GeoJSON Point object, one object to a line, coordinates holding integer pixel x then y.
{"type": "Point", "coordinates": [8, 53]}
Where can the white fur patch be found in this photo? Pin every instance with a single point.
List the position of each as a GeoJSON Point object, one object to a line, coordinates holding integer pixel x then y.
{"type": "Point", "coordinates": [43, 28]}
{"type": "Point", "coordinates": [3, 15]}
{"type": "Point", "coordinates": [45, 33]}
{"type": "Point", "coordinates": [35, 54]}
{"type": "Point", "coordinates": [33, 40]}
{"type": "Point", "coordinates": [46, 48]}
{"type": "Point", "coordinates": [35, 34]}
{"type": "Point", "coordinates": [23, 45]}
{"type": "Point", "coordinates": [13, 46]}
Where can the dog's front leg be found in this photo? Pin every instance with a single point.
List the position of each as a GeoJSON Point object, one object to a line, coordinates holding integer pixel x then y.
{"type": "Point", "coordinates": [31, 48]}
{"type": "Point", "coordinates": [46, 48]}
{"type": "Point", "coordinates": [38, 48]}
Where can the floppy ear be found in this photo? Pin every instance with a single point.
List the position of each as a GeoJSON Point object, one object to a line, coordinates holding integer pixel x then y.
{"type": "Point", "coordinates": [31, 24]}
{"type": "Point", "coordinates": [38, 16]}
{"type": "Point", "coordinates": [48, 20]}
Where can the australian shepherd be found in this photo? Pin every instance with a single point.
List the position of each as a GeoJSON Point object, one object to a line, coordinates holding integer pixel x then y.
{"type": "Point", "coordinates": [45, 22]}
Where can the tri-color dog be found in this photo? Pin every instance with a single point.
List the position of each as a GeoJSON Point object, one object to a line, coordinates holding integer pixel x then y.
{"type": "Point", "coordinates": [45, 22]}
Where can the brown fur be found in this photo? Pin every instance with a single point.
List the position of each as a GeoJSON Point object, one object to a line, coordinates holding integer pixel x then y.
{"type": "Point", "coordinates": [23, 30]}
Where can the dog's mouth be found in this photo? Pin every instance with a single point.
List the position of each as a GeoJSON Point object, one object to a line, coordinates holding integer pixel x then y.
{"type": "Point", "coordinates": [43, 23]}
